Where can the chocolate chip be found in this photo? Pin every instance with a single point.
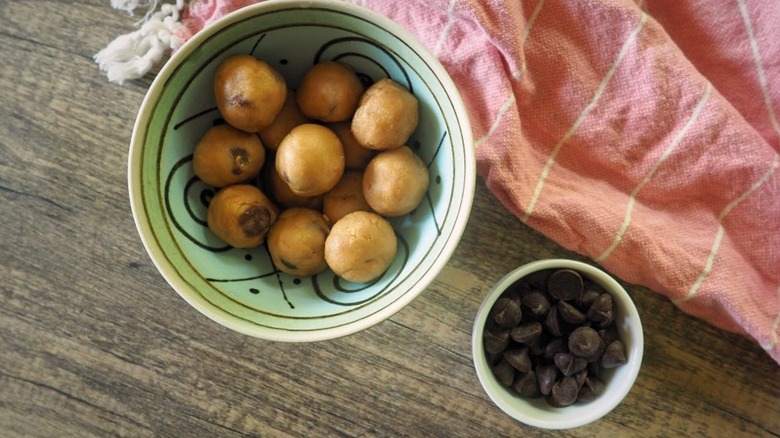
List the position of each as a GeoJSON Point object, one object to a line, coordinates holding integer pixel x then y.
{"type": "Point", "coordinates": [526, 333]}
{"type": "Point", "coordinates": [494, 358]}
{"type": "Point", "coordinates": [527, 385]}
{"type": "Point", "coordinates": [546, 376]}
{"type": "Point", "coordinates": [592, 388]}
{"type": "Point", "coordinates": [506, 311]}
{"type": "Point", "coordinates": [586, 394]}
{"type": "Point", "coordinates": [596, 356]}
{"type": "Point", "coordinates": [555, 346]}
{"type": "Point", "coordinates": [584, 342]}
{"type": "Point", "coordinates": [565, 284]}
{"type": "Point", "coordinates": [601, 310]}
{"type": "Point", "coordinates": [552, 322]}
{"type": "Point", "coordinates": [569, 364]}
{"type": "Point", "coordinates": [564, 392]}
{"type": "Point", "coordinates": [239, 101]}
{"type": "Point", "coordinates": [255, 220]}
{"type": "Point", "coordinates": [495, 339]}
{"type": "Point", "coordinates": [504, 372]}
{"type": "Point", "coordinates": [589, 295]}
{"type": "Point", "coordinates": [240, 159]}
{"type": "Point", "coordinates": [538, 279]}
{"type": "Point", "coordinates": [518, 358]}
{"type": "Point", "coordinates": [569, 313]}
{"type": "Point", "coordinates": [614, 355]}
{"type": "Point", "coordinates": [537, 304]}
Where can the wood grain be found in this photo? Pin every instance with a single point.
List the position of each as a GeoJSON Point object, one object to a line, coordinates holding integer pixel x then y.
{"type": "Point", "coordinates": [95, 343]}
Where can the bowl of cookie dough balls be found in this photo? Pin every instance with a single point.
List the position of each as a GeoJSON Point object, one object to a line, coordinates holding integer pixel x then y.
{"type": "Point", "coordinates": [301, 170]}
{"type": "Point", "coordinates": [557, 343]}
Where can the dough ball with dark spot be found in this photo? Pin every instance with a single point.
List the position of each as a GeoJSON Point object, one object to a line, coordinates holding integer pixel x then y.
{"type": "Point", "coordinates": [241, 215]}
{"type": "Point", "coordinates": [249, 92]}
{"type": "Point", "coordinates": [226, 155]}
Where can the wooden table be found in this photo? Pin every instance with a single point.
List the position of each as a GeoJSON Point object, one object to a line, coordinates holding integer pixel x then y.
{"type": "Point", "coordinates": [95, 343]}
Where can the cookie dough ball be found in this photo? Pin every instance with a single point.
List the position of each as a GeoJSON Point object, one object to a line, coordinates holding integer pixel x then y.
{"type": "Point", "coordinates": [226, 155]}
{"type": "Point", "coordinates": [355, 156]}
{"type": "Point", "coordinates": [346, 197]}
{"type": "Point", "coordinates": [395, 181]}
{"type": "Point", "coordinates": [360, 246]}
{"type": "Point", "coordinates": [249, 92]}
{"type": "Point", "coordinates": [288, 118]}
{"type": "Point", "coordinates": [329, 91]}
{"type": "Point", "coordinates": [285, 197]}
{"type": "Point", "coordinates": [386, 117]}
{"type": "Point", "coordinates": [297, 241]}
{"type": "Point", "coordinates": [310, 160]}
{"type": "Point", "coordinates": [241, 215]}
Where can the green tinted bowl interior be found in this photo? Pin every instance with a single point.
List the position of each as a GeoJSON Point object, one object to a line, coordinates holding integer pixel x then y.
{"type": "Point", "coordinates": [240, 288]}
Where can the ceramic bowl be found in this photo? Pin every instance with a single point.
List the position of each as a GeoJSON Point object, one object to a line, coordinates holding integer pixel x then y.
{"type": "Point", "coordinates": [618, 381]}
{"type": "Point", "coordinates": [240, 289]}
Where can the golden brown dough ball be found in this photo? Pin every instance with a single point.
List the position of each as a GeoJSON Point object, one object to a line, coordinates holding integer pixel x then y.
{"type": "Point", "coordinates": [310, 160]}
{"type": "Point", "coordinates": [297, 241]}
{"type": "Point", "coordinates": [355, 156]}
{"type": "Point", "coordinates": [329, 91]}
{"type": "Point", "coordinates": [288, 118]}
{"type": "Point", "coordinates": [241, 215]}
{"type": "Point", "coordinates": [281, 193]}
{"type": "Point", "coordinates": [249, 92]}
{"type": "Point", "coordinates": [395, 181]}
{"type": "Point", "coordinates": [386, 117]}
{"type": "Point", "coordinates": [360, 246]}
{"type": "Point", "coordinates": [226, 155]}
{"type": "Point", "coordinates": [346, 197]}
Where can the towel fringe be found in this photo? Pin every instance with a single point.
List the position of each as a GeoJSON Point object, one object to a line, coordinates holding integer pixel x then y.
{"type": "Point", "coordinates": [134, 54]}
{"type": "Point", "coordinates": [131, 5]}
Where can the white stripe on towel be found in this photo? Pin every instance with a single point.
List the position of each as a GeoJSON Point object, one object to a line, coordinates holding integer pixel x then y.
{"type": "Point", "coordinates": [719, 235]}
{"type": "Point", "coordinates": [447, 26]}
{"type": "Point", "coordinates": [515, 76]}
{"type": "Point", "coordinates": [773, 336]}
{"type": "Point", "coordinates": [759, 67]}
{"type": "Point", "coordinates": [527, 31]}
{"type": "Point", "coordinates": [582, 117]}
{"type": "Point", "coordinates": [675, 141]}
{"type": "Point", "coordinates": [499, 115]}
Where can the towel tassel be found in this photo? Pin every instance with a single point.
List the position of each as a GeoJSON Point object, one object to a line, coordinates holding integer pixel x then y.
{"type": "Point", "coordinates": [133, 55]}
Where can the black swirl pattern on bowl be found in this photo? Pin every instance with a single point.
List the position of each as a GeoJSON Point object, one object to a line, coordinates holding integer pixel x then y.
{"type": "Point", "coordinates": [205, 195]}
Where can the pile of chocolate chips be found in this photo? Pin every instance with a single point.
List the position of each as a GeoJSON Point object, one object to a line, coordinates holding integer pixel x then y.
{"type": "Point", "coordinates": [551, 334]}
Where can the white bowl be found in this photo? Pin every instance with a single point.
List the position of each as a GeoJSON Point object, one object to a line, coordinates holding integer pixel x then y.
{"type": "Point", "coordinates": [241, 289]}
{"type": "Point", "coordinates": [618, 381]}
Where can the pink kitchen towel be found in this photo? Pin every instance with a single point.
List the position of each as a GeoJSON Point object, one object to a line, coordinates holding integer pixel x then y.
{"type": "Point", "coordinates": [644, 136]}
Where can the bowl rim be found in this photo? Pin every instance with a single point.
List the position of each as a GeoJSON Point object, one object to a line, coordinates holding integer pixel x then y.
{"type": "Point", "coordinates": [168, 271]}
{"type": "Point", "coordinates": [592, 411]}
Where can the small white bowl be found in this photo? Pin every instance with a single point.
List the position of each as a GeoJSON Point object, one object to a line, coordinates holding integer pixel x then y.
{"type": "Point", "coordinates": [618, 381]}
